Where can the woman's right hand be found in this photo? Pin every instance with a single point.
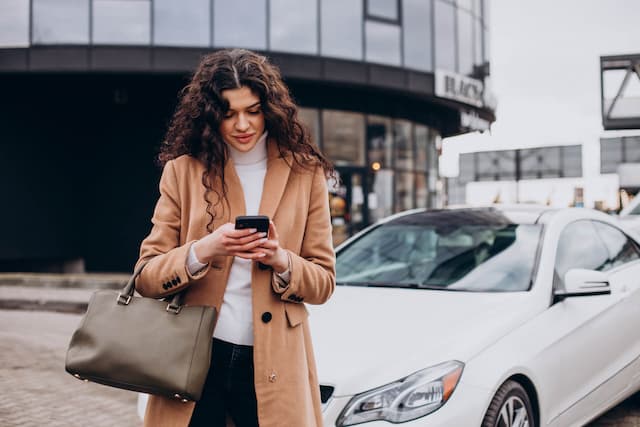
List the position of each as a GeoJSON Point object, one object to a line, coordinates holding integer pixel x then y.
{"type": "Point", "coordinates": [227, 241]}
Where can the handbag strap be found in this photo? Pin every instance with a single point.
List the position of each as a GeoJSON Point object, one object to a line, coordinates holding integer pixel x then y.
{"type": "Point", "coordinates": [124, 297]}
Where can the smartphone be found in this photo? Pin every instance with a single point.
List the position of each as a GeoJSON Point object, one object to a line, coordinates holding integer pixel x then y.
{"type": "Point", "coordinates": [259, 222]}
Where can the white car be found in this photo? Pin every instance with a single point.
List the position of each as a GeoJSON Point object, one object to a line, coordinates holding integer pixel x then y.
{"type": "Point", "coordinates": [481, 317]}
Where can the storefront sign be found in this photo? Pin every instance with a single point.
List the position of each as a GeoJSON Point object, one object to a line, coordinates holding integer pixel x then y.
{"type": "Point", "coordinates": [459, 88]}
{"type": "Point", "coordinates": [470, 120]}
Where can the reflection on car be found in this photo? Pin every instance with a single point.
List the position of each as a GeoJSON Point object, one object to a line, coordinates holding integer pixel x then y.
{"type": "Point", "coordinates": [519, 316]}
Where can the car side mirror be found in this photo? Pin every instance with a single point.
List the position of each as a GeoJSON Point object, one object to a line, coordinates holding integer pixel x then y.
{"type": "Point", "coordinates": [579, 282]}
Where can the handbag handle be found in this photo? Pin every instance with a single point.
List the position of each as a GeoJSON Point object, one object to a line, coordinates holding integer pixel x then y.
{"type": "Point", "coordinates": [124, 297]}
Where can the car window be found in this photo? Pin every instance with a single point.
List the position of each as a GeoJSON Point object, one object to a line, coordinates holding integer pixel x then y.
{"type": "Point", "coordinates": [621, 249]}
{"type": "Point", "coordinates": [579, 247]}
{"type": "Point", "coordinates": [469, 257]}
{"type": "Point", "coordinates": [636, 210]}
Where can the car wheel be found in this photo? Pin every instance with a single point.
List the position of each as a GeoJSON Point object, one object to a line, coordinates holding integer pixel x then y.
{"type": "Point", "coordinates": [510, 407]}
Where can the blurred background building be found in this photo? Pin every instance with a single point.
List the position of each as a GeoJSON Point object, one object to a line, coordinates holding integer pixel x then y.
{"type": "Point", "coordinates": [557, 175]}
{"type": "Point", "coordinates": [88, 87]}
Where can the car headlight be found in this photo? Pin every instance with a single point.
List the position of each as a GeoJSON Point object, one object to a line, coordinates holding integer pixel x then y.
{"type": "Point", "coordinates": [404, 400]}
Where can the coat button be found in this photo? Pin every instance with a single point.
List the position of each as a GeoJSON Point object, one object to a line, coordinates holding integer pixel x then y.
{"type": "Point", "coordinates": [266, 317]}
{"type": "Point", "coordinates": [273, 377]}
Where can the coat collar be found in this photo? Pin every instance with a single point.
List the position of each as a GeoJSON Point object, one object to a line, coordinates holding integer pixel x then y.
{"type": "Point", "coordinates": [275, 182]}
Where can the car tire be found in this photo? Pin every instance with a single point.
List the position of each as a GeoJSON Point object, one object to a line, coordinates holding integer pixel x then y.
{"type": "Point", "coordinates": [510, 407]}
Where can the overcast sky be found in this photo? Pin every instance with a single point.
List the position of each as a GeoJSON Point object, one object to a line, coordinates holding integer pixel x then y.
{"type": "Point", "coordinates": [545, 73]}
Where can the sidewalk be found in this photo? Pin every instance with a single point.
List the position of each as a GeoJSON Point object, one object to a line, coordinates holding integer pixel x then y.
{"type": "Point", "coordinates": [37, 391]}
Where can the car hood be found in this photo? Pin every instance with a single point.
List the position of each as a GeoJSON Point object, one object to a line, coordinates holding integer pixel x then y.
{"type": "Point", "coordinates": [365, 337]}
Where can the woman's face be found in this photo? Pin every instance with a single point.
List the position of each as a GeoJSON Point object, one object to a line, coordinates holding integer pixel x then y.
{"type": "Point", "coordinates": [243, 123]}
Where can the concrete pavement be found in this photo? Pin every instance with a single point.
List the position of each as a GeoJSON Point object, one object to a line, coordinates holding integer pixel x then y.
{"type": "Point", "coordinates": [36, 390]}
{"type": "Point", "coordinates": [38, 316]}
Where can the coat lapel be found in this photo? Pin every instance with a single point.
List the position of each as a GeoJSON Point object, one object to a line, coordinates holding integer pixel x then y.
{"type": "Point", "coordinates": [235, 195]}
{"type": "Point", "coordinates": [275, 180]}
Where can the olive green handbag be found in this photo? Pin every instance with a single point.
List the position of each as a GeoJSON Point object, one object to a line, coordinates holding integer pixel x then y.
{"type": "Point", "coordinates": [143, 344]}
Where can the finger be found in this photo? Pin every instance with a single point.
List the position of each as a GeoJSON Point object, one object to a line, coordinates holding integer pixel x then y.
{"type": "Point", "coordinates": [273, 233]}
{"type": "Point", "coordinates": [247, 246]}
{"type": "Point", "coordinates": [248, 239]}
{"type": "Point", "coordinates": [236, 234]}
{"type": "Point", "coordinates": [250, 255]}
{"type": "Point", "coordinates": [269, 244]}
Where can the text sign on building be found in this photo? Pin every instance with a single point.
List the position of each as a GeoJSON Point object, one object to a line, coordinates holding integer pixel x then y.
{"type": "Point", "coordinates": [471, 121]}
{"type": "Point", "coordinates": [459, 88]}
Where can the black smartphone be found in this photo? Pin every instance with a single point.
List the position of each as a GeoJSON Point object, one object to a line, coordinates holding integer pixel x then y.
{"type": "Point", "coordinates": [259, 222]}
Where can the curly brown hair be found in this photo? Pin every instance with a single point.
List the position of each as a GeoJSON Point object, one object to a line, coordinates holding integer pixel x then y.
{"type": "Point", "coordinates": [194, 128]}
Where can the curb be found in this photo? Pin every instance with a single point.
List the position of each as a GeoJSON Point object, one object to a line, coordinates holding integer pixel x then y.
{"type": "Point", "coordinates": [79, 281]}
{"type": "Point", "coordinates": [54, 306]}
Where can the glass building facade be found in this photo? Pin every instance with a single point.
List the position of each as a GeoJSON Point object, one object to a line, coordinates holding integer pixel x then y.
{"type": "Point", "coordinates": [363, 71]}
{"type": "Point", "coordinates": [563, 161]}
{"type": "Point", "coordinates": [417, 34]}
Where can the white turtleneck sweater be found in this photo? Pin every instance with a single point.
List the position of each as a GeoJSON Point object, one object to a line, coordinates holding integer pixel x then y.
{"type": "Point", "coordinates": [235, 320]}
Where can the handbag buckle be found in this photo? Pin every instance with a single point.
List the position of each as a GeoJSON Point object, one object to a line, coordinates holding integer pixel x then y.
{"type": "Point", "coordinates": [182, 399]}
{"type": "Point", "coordinates": [175, 309]}
{"type": "Point", "coordinates": [123, 299]}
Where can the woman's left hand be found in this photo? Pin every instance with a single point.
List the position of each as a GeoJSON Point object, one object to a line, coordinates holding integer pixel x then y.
{"type": "Point", "coordinates": [273, 254]}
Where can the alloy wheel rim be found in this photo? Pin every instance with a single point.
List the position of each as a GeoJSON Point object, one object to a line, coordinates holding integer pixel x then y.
{"type": "Point", "coordinates": [513, 413]}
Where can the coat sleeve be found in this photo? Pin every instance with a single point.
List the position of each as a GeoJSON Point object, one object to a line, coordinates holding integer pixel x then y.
{"type": "Point", "coordinates": [166, 270]}
{"type": "Point", "coordinates": [313, 276]}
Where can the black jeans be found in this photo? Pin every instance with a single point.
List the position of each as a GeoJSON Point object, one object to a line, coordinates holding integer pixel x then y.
{"type": "Point", "coordinates": [229, 388]}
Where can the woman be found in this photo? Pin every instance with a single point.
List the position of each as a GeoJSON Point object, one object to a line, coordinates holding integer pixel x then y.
{"type": "Point", "coordinates": [236, 147]}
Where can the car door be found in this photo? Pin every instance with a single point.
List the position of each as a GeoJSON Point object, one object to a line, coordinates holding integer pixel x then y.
{"type": "Point", "coordinates": [623, 268]}
{"type": "Point", "coordinates": [585, 342]}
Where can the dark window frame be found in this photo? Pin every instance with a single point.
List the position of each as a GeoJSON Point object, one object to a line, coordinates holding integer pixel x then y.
{"type": "Point", "coordinates": [372, 17]}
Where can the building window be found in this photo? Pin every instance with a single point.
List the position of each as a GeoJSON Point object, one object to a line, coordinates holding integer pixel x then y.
{"type": "Point", "coordinates": [445, 29]}
{"type": "Point", "coordinates": [465, 42]}
{"type": "Point", "coordinates": [388, 10]}
{"type": "Point", "coordinates": [422, 191]}
{"type": "Point", "coordinates": [14, 23]}
{"type": "Point", "coordinates": [485, 13]}
{"type": "Point", "coordinates": [382, 43]}
{"type": "Point", "coordinates": [404, 191]}
{"type": "Point", "coordinates": [466, 4]}
{"type": "Point", "coordinates": [610, 155]}
{"type": "Point", "coordinates": [229, 16]}
{"type": "Point", "coordinates": [571, 161]}
{"type": "Point", "coordinates": [422, 147]}
{"type": "Point", "coordinates": [477, 41]}
{"type": "Point", "coordinates": [121, 22]}
{"type": "Point", "coordinates": [485, 43]}
{"type": "Point", "coordinates": [381, 201]}
{"type": "Point", "coordinates": [380, 142]}
{"type": "Point", "coordinates": [403, 144]}
{"type": "Point", "coordinates": [184, 23]}
{"type": "Point", "coordinates": [61, 21]}
{"type": "Point", "coordinates": [343, 137]}
{"type": "Point", "coordinates": [631, 149]}
{"type": "Point", "coordinates": [309, 117]}
{"type": "Point", "coordinates": [417, 24]}
{"type": "Point", "coordinates": [477, 8]}
{"type": "Point", "coordinates": [341, 29]}
{"type": "Point", "coordinates": [294, 26]}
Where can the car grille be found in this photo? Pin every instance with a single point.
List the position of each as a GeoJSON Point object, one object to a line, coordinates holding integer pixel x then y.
{"type": "Point", "coordinates": [325, 393]}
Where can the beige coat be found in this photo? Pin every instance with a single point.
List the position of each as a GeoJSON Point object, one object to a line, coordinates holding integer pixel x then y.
{"type": "Point", "coordinates": [297, 201]}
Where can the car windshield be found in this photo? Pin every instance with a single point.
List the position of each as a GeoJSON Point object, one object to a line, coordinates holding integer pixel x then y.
{"type": "Point", "coordinates": [461, 256]}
